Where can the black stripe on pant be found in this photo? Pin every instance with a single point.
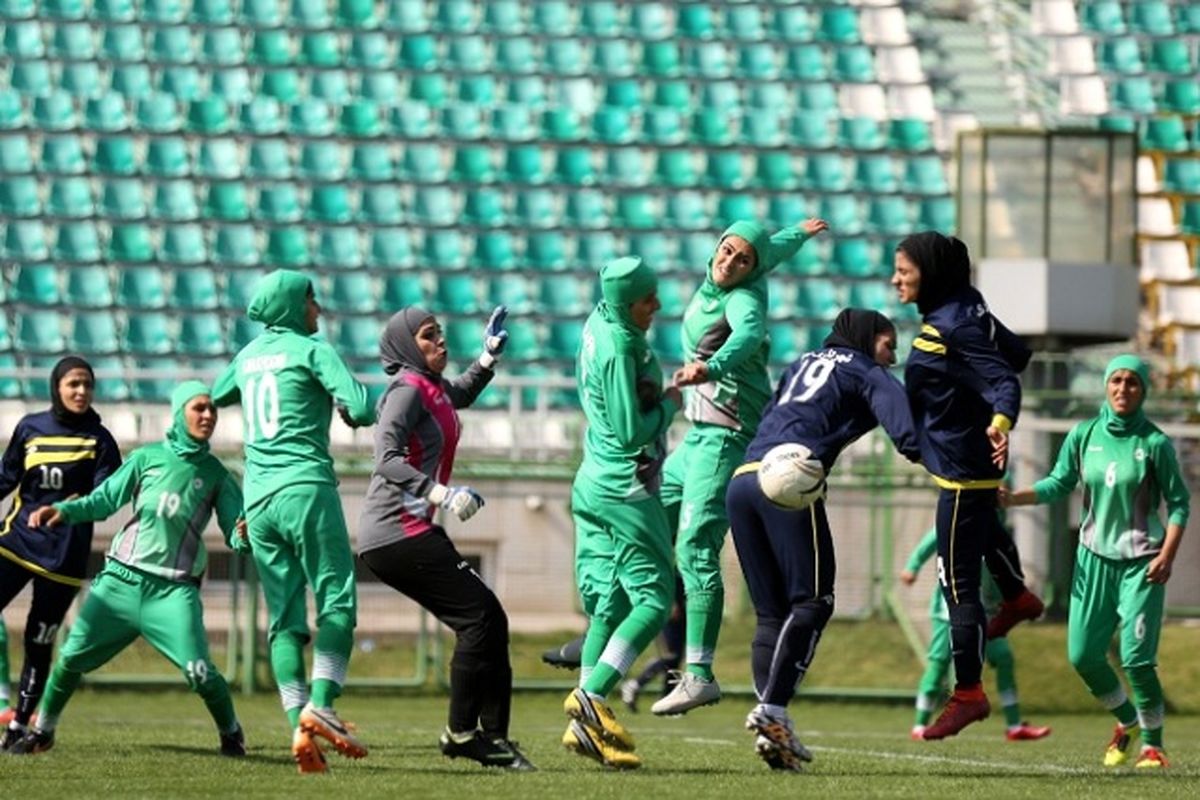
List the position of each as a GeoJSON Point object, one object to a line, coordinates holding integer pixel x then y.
{"type": "Point", "coordinates": [969, 531]}
{"type": "Point", "coordinates": [51, 600]}
{"type": "Point", "coordinates": [788, 560]}
{"type": "Point", "coordinates": [429, 569]}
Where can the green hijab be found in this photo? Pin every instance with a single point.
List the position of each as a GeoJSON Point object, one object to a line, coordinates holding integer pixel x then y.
{"type": "Point", "coordinates": [178, 439]}
{"type": "Point", "coordinates": [624, 281]}
{"type": "Point", "coordinates": [1125, 424]}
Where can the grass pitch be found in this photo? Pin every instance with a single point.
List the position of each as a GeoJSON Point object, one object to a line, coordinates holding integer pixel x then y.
{"type": "Point", "coordinates": [161, 744]}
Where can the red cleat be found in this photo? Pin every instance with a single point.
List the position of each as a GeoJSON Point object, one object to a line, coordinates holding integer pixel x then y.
{"type": "Point", "coordinates": [1026, 732]}
{"type": "Point", "coordinates": [1025, 606]}
{"type": "Point", "coordinates": [7, 715]}
{"type": "Point", "coordinates": [965, 706]}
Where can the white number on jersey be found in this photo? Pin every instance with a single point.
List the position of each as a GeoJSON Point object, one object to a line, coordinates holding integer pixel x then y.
{"type": "Point", "coordinates": [168, 505]}
{"type": "Point", "coordinates": [1110, 475]}
{"type": "Point", "coordinates": [52, 477]}
{"type": "Point", "coordinates": [813, 376]}
{"type": "Point", "coordinates": [260, 405]}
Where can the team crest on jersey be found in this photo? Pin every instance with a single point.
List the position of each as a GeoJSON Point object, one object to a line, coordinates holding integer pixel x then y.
{"type": "Point", "coordinates": [711, 305]}
{"type": "Point", "coordinates": [197, 484]}
{"type": "Point", "coordinates": [1139, 454]}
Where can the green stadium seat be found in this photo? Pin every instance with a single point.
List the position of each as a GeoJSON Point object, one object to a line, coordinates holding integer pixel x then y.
{"type": "Point", "coordinates": [312, 117]}
{"type": "Point", "coordinates": [774, 170]}
{"type": "Point", "coordinates": [320, 48]}
{"type": "Point", "coordinates": [19, 196]}
{"type": "Point", "coordinates": [330, 85]}
{"type": "Point", "coordinates": [484, 206]}
{"type": "Point", "coordinates": [826, 172]}
{"type": "Point", "coordinates": [855, 258]}
{"type": "Point", "coordinates": [686, 210]}
{"type": "Point", "coordinates": [1152, 17]}
{"type": "Point", "coordinates": [925, 175]}
{"type": "Point", "coordinates": [695, 22]}
{"type": "Point", "coordinates": [158, 112]}
{"type": "Point", "coordinates": [281, 84]}
{"type": "Point", "coordinates": [1181, 96]}
{"type": "Point", "coordinates": [131, 80]}
{"type": "Point", "coordinates": [39, 331]}
{"type": "Point", "coordinates": [676, 167]}
{"type": "Point", "coordinates": [31, 78]}
{"type": "Point", "coordinates": [661, 59]}
{"type": "Point", "coordinates": [913, 135]}
{"type": "Point", "coordinates": [25, 240]}
{"type": "Point", "coordinates": [1164, 133]}
{"type": "Point", "coordinates": [477, 89]}
{"type": "Point", "coordinates": [463, 121]}
{"type": "Point", "coordinates": [243, 331]}
{"type": "Point", "coordinates": [358, 337]}
{"type": "Point", "coordinates": [667, 342]}
{"type": "Point", "coordinates": [774, 96]}
{"type": "Point", "coordinates": [763, 127]}
{"type": "Point", "coordinates": [235, 246]}
{"type": "Point", "coordinates": [81, 79]}
{"type": "Point", "coordinates": [15, 154]}
{"type": "Point", "coordinates": [663, 125]}
{"type": "Point", "coordinates": [271, 48]}
{"type": "Point", "coordinates": [1122, 55]}
{"type": "Point", "coordinates": [654, 248]}
{"type": "Point", "coordinates": [391, 249]}
{"type": "Point", "coordinates": [937, 213]}
{"type": "Point", "coordinates": [839, 24]}
{"type": "Point", "coordinates": [515, 54]}
{"type": "Point", "coordinates": [219, 158]}
{"type": "Point", "coordinates": [352, 292]}
{"type": "Point", "coordinates": [1134, 94]}
{"type": "Point", "coordinates": [504, 17]}
{"type": "Point", "coordinates": [573, 165]}
{"type": "Point", "coordinates": [806, 61]}
{"type": "Point", "coordinates": [423, 163]}
{"type": "Point", "coordinates": [650, 22]}
{"type": "Point", "coordinates": [172, 44]}
{"type": "Point", "coordinates": [1181, 175]}
{"type": "Point", "coordinates": [457, 294]}
{"type": "Point", "coordinates": [23, 39]}
{"type": "Point", "coordinates": [12, 111]}
{"type": "Point", "coordinates": [594, 249]}
{"type": "Point", "coordinates": [130, 243]}
{"type": "Point", "coordinates": [10, 387]}
{"type": "Point", "coordinates": [201, 335]}
{"type": "Point", "coordinates": [514, 122]}
{"type": "Point", "coordinates": [745, 22]}
{"type": "Point", "coordinates": [787, 209]}
{"type": "Point", "coordinates": [287, 247]}
{"type": "Point", "coordinates": [106, 112]}
{"type": "Point", "coordinates": [78, 242]}
{"type": "Point", "coordinates": [474, 163]}
{"type": "Point", "coordinates": [232, 84]}
{"type": "Point", "coordinates": [757, 61]}
{"type": "Point", "coordinates": [673, 94]}
{"type": "Point", "coordinates": [89, 287]}
{"type": "Point", "coordinates": [860, 133]}
{"type": "Point", "coordinates": [613, 125]}
{"type": "Point", "coordinates": [55, 111]}
{"type": "Point", "coordinates": [1103, 16]}
{"type": "Point", "coordinates": [781, 302]}
{"type": "Point", "coordinates": [675, 294]}
{"type": "Point", "coordinates": [341, 248]}
{"type": "Point", "coordinates": [444, 250]}
{"type": "Point", "coordinates": [710, 61]}
{"type": "Point", "coordinates": [240, 287]}
{"type": "Point", "coordinates": [586, 208]}
{"type": "Point", "coordinates": [111, 386]}
{"type": "Point", "coordinates": [467, 54]}
{"type": "Point", "coordinates": [222, 46]}
{"type": "Point", "coordinates": [330, 203]}
{"type": "Point", "coordinates": [875, 174]}
{"type": "Point", "coordinates": [434, 205]}
{"type": "Point", "coordinates": [370, 49]}
{"type": "Point", "coordinates": [72, 9]}
{"type": "Point", "coordinates": [418, 52]}
{"type": "Point", "coordinates": [552, 18]}
{"type": "Point", "coordinates": [262, 13]}
{"type": "Point", "coordinates": [381, 205]}
{"type": "Point", "coordinates": [322, 161]}
{"type": "Point", "coordinates": [401, 290]}
{"type": "Point", "coordinates": [889, 216]}
{"type": "Point", "coordinates": [546, 250]}
{"type": "Point", "coordinates": [871, 294]}
{"type": "Point", "coordinates": [536, 208]}
{"type": "Point", "coordinates": [711, 127]}
{"type": "Point", "coordinates": [788, 341]}
{"type": "Point", "coordinates": [163, 10]}
{"type": "Point", "coordinates": [35, 284]}
{"type": "Point", "coordinates": [819, 299]}
{"type": "Point", "coordinates": [1187, 19]}
{"type": "Point", "coordinates": [694, 250]}
{"type": "Point", "coordinates": [176, 200]}
{"type": "Point", "coordinates": [1189, 222]}
{"type": "Point", "coordinates": [560, 295]}
{"type": "Point", "coordinates": [599, 18]}
{"type": "Point", "coordinates": [493, 251]}
{"type": "Point", "coordinates": [372, 161]}
{"type": "Point", "coordinates": [148, 333]}
{"type": "Point", "coordinates": [732, 207]}
{"type": "Point", "coordinates": [843, 214]}
{"type": "Point", "coordinates": [637, 210]}
{"type": "Point", "coordinates": [181, 82]}
{"type": "Point", "coordinates": [167, 157]}
{"type": "Point", "coordinates": [183, 244]}
{"type": "Point", "coordinates": [279, 203]}
{"type": "Point", "coordinates": [816, 96]}
{"type": "Point", "coordinates": [269, 158]}
{"type": "Point", "coordinates": [195, 288]}
{"type": "Point", "coordinates": [564, 338]}
{"type": "Point", "coordinates": [456, 16]}
{"type": "Point", "coordinates": [70, 197]}
{"type": "Point", "coordinates": [93, 332]}
{"type": "Point", "coordinates": [1172, 56]}
{"type": "Point", "coordinates": [511, 291]}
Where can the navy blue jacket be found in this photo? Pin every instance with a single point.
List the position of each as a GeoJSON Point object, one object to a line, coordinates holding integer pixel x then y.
{"type": "Point", "coordinates": [828, 398]}
{"type": "Point", "coordinates": [961, 373]}
{"type": "Point", "coordinates": [47, 461]}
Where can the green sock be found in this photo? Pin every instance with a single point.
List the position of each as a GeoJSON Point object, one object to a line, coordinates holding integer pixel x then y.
{"type": "Point", "coordinates": [59, 688]}
{"type": "Point", "coordinates": [287, 664]}
{"type": "Point", "coordinates": [598, 634]}
{"type": "Point", "coordinates": [1012, 715]}
{"type": "Point", "coordinates": [1149, 702]}
{"type": "Point", "coordinates": [628, 641]}
{"type": "Point", "coordinates": [704, 611]}
{"type": "Point", "coordinates": [335, 642]}
{"type": "Point", "coordinates": [4, 675]}
{"type": "Point", "coordinates": [926, 705]}
{"type": "Point", "coordinates": [293, 715]}
{"type": "Point", "coordinates": [215, 692]}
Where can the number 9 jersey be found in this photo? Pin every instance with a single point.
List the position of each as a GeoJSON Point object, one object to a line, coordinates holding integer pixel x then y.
{"type": "Point", "coordinates": [828, 398]}
{"type": "Point", "coordinates": [47, 461]}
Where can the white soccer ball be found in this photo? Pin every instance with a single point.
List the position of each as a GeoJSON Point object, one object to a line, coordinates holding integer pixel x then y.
{"type": "Point", "coordinates": [791, 477]}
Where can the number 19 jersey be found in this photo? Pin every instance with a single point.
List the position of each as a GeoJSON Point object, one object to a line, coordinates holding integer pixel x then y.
{"type": "Point", "coordinates": [828, 398]}
{"type": "Point", "coordinates": [288, 384]}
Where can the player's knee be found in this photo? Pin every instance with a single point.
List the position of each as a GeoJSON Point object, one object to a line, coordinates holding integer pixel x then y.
{"type": "Point", "coordinates": [202, 676]}
{"type": "Point", "coordinates": [340, 619]}
{"type": "Point", "coordinates": [813, 613]}
{"type": "Point", "coordinates": [966, 613]}
{"type": "Point", "coordinates": [487, 632]}
{"type": "Point", "coordinates": [999, 654]}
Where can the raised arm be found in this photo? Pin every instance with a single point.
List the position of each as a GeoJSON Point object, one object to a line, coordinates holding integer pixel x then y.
{"type": "Point", "coordinates": [889, 404]}
{"type": "Point", "coordinates": [104, 501]}
{"type": "Point", "coordinates": [348, 394]}
{"type": "Point", "coordinates": [225, 391]}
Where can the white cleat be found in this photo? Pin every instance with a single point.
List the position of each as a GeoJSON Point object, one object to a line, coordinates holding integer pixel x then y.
{"type": "Point", "coordinates": [776, 742]}
{"type": "Point", "coordinates": [690, 692]}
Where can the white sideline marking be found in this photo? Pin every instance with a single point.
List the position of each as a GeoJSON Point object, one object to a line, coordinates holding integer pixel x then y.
{"type": "Point", "coordinates": [966, 762]}
{"type": "Point", "coordinates": [701, 740]}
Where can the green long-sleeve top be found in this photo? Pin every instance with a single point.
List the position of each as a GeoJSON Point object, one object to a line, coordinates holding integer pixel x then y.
{"type": "Point", "coordinates": [624, 444]}
{"type": "Point", "coordinates": [1125, 479]}
{"type": "Point", "coordinates": [727, 329]}
{"type": "Point", "coordinates": [173, 499]}
{"type": "Point", "coordinates": [925, 549]}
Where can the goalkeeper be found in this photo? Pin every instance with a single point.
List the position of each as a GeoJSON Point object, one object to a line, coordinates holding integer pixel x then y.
{"type": "Point", "coordinates": [998, 653]}
{"type": "Point", "coordinates": [150, 584]}
{"type": "Point", "coordinates": [622, 539]}
{"type": "Point", "coordinates": [725, 342]}
{"type": "Point", "coordinates": [288, 383]}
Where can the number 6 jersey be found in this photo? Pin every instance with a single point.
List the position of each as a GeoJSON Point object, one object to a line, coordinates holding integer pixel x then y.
{"type": "Point", "coordinates": [828, 398]}
{"type": "Point", "coordinates": [47, 461]}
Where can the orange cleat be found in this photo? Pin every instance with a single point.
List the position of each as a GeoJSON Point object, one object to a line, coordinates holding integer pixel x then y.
{"type": "Point", "coordinates": [307, 753]}
{"type": "Point", "coordinates": [325, 723]}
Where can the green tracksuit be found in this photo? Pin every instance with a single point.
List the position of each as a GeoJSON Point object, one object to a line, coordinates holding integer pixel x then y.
{"type": "Point", "coordinates": [288, 383]}
{"type": "Point", "coordinates": [150, 584]}
{"type": "Point", "coordinates": [726, 329]}
{"type": "Point", "coordinates": [938, 662]}
{"type": "Point", "coordinates": [623, 544]}
{"type": "Point", "coordinates": [1128, 469]}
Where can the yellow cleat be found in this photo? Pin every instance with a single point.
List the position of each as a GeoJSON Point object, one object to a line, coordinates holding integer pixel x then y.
{"type": "Point", "coordinates": [599, 717]}
{"type": "Point", "coordinates": [1151, 758]}
{"type": "Point", "coordinates": [586, 741]}
{"type": "Point", "coordinates": [307, 753]}
{"type": "Point", "coordinates": [1116, 753]}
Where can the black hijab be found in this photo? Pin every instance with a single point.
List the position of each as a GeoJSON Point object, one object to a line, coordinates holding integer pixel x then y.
{"type": "Point", "coordinates": [59, 411]}
{"type": "Point", "coordinates": [945, 266]}
{"type": "Point", "coordinates": [398, 347]}
{"type": "Point", "coordinates": [856, 329]}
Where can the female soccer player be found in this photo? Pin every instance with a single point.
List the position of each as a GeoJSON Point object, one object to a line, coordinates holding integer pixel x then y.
{"type": "Point", "coordinates": [622, 536]}
{"type": "Point", "coordinates": [1128, 469]}
{"type": "Point", "coordinates": [825, 400]}
{"type": "Point", "coordinates": [725, 339]}
{"type": "Point", "coordinates": [150, 584]}
{"type": "Point", "coordinates": [52, 455]}
{"type": "Point", "coordinates": [998, 653]}
{"type": "Point", "coordinates": [962, 385]}
{"type": "Point", "coordinates": [415, 441]}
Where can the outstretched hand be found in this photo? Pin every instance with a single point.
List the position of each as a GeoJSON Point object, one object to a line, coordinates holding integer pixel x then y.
{"type": "Point", "coordinates": [908, 578]}
{"type": "Point", "coordinates": [495, 338]}
{"type": "Point", "coordinates": [691, 374]}
{"type": "Point", "coordinates": [813, 226]}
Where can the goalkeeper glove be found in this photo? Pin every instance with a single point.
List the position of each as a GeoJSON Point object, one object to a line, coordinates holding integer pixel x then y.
{"type": "Point", "coordinates": [494, 337]}
{"type": "Point", "coordinates": [462, 501]}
